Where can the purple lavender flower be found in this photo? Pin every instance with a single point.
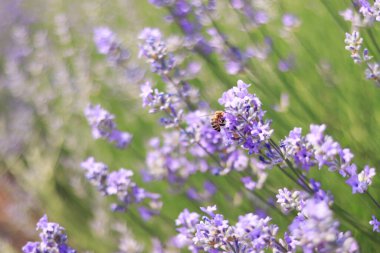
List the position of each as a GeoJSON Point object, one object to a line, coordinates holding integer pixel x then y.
{"type": "Point", "coordinates": [360, 182]}
{"type": "Point", "coordinates": [244, 119]}
{"type": "Point", "coordinates": [154, 49]}
{"type": "Point", "coordinates": [190, 16]}
{"type": "Point", "coordinates": [375, 223]}
{"type": "Point", "coordinates": [167, 159]}
{"type": "Point", "coordinates": [289, 201]}
{"type": "Point", "coordinates": [297, 147]}
{"type": "Point", "coordinates": [290, 20]}
{"type": "Point", "coordinates": [107, 44]}
{"type": "Point", "coordinates": [318, 148]}
{"type": "Point", "coordinates": [120, 183]}
{"type": "Point", "coordinates": [186, 223]}
{"type": "Point", "coordinates": [103, 126]}
{"type": "Point", "coordinates": [214, 234]}
{"type": "Point", "coordinates": [315, 229]}
{"type": "Point", "coordinates": [96, 173]}
{"type": "Point", "coordinates": [353, 44]}
{"type": "Point", "coordinates": [157, 101]}
{"type": "Point", "coordinates": [248, 183]}
{"type": "Point", "coordinates": [53, 239]}
{"type": "Point", "coordinates": [255, 232]}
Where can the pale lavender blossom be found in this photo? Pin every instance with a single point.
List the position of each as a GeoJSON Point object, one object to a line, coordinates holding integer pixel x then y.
{"type": "Point", "coordinates": [360, 182]}
{"type": "Point", "coordinates": [104, 126]}
{"type": "Point", "coordinates": [248, 183]}
{"type": "Point", "coordinates": [318, 149]}
{"type": "Point", "coordinates": [214, 234]}
{"type": "Point", "coordinates": [245, 123]}
{"type": "Point", "coordinates": [96, 173]}
{"type": "Point", "coordinates": [53, 239]}
{"type": "Point", "coordinates": [108, 44]}
{"type": "Point", "coordinates": [290, 20]}
{"type": "Point", "coordinates": [370, 11]}
{"type": "Point", "coordinates": [186, 227]}
{"type": "Point", "coordinates": [290, 200]}
{"type": "Point", "coordinates": [353, 44]}
{"type": "Point", "coordinates": [375, 224]}
{"type": "Point", "coordinates": [120, 183]}
{"type": "Point", "coordinates": [316, 229]}
{"type": "Point", "coordinates": [154, 49]}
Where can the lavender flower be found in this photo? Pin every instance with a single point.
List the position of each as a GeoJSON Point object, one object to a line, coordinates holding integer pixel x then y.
{"type": "Point", "coordinates": [168, 159]}
{"type": "Point", "coordinates": [353, 44]}
{"type": "Point", "coordinates": [120, 183]}
{"type": "Point", "coordinates": [290, 20]}
{"type": "Point", "coordinates": [289, 201]}
{"type": "Point", "coordinates": [186, 223]}
{"type": "Point", "coordinates": [256, 233]}
{"type": "Point", "coordinates": [373, 72]}
{"type": "Point", "coordinates": [320, 149]}
{"type": "Point", "coordinates": [190, 16]}
{"type": "Point", "coordinates": [297, 147]}
{"type": "Point", "coordinates": [154, 49]}
{"type": "Point", "coordinates": [170, 104]}
{"type": "Point", "coordinates": [96, 173]}
{"type": "Point", "coordinates": [315, 229]}
{"type": "Point", "coordinates": [248, 183]}
{"type": "Point", "coordinates": [103, 126]}
{"type": "Point", "coordinates": [214, 234]}
{"type": "Point", "coordinates": [107, 44]}
{"type": "Point", "coordinates": [368, 11]}
{"type": "Point", "coordinates": [375, 223]}
{"type": "Point", "coordinates": [244, 119]}
{"type": "Point", "coordinates": [53, 239]}
{"type": "Point", "coordinates": [360, 182]}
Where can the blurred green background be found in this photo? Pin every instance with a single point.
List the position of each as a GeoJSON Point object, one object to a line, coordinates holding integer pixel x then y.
{"type": "Point", "coordinates": [57, 72]}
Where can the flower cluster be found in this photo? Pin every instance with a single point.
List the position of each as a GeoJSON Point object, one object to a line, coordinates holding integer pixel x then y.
{"type": "Point", "coordinates": [170, 104]}
{"type": "Point", "coordinates": [107, 44]}
{"type": "Point", "coordinates": [155, 51]}
{"type": "Point", "coordinates": [244, 117]}
{"type": "Point", "coordinates": [353, 44]}
{"type": "Point", "coordinates": [53, 239]}
{"type": "Point", "coordinates": [120, 183]}
{"type": "Point", "coordinates": [315, 229]}
{"type": "Point", "coordinates": [214, 234]}
{"type": "Point", "coordinates": [190, 16]}
{"type": "Point", "coordinates": [375, 224]}
{"type": "Point", "coordinates": [318, 149]}
{"type": "Point", "coordinates": [255, 16]}
{"type": "Point", "coordinates": [370, 11]}
{"type": "Point", "coordinates": [289, 201]}
{"type": "Point", "coordinates": [104, 126]}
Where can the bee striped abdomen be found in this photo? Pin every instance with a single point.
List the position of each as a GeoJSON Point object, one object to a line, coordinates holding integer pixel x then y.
{"type": "Point", "coordinates": [218, 120]}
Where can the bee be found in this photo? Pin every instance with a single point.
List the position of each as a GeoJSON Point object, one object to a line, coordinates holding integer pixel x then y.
{"type": "Point", "coordinates": [218, 120]}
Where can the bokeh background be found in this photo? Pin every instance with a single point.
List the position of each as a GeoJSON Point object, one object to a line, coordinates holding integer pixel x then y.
{"type": "Point", "coordinates": [50, 70]}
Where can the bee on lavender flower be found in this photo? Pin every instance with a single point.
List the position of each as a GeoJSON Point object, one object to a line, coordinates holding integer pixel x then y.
{"type": "Point", "coordinates": [218, 120]}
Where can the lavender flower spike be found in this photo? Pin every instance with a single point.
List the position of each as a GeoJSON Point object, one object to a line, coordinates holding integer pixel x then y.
{"type": "Point", "coordinates": [353, 44]}
{"type": "Point", "coordinates": [103, 126]}
{"type": "Point", "coordinates": [107, 44]}
{"type": "Point", "coordinates": [53, 239]}
{"type": "Point", "coordinates": [375, 223]}
{"type": "Point", "coordinates": [154, 49]}
{"type": "Point", "coordinates": [120, 183]}
{"type": "Point", "coordinates": [245, 123]}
